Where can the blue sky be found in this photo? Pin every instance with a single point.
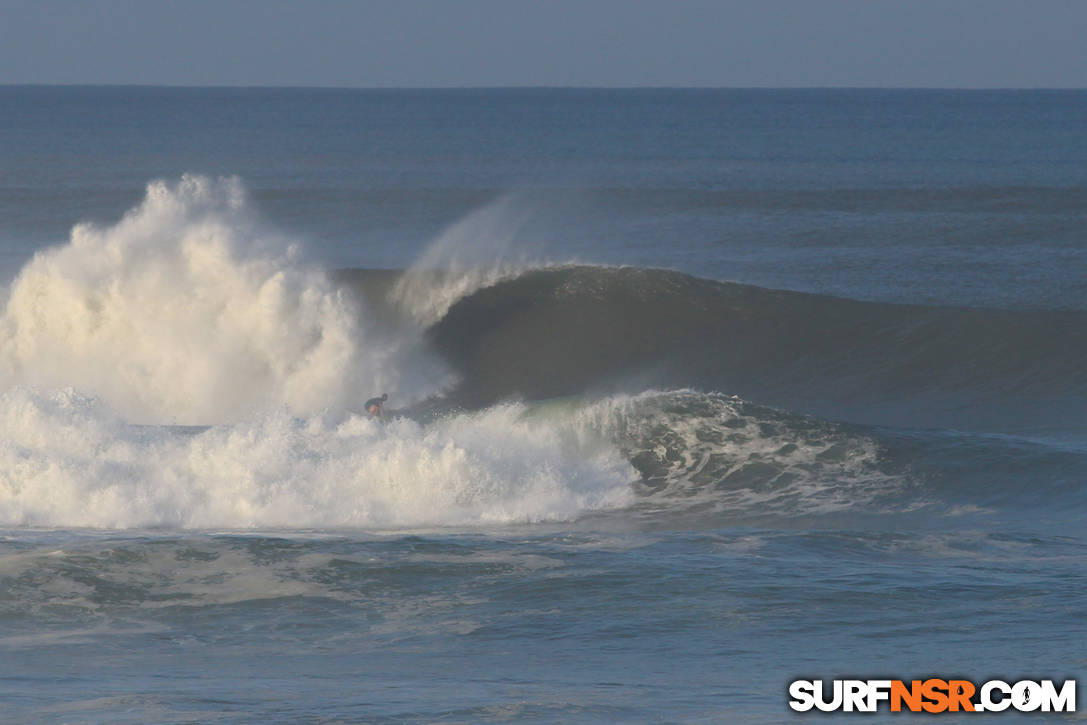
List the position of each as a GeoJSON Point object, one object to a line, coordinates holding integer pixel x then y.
{"type": "Point", "coordinates": [442, 43]}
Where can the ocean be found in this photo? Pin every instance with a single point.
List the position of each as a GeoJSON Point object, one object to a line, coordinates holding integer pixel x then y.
{"type": "Point", "coordinates": [692, 394]}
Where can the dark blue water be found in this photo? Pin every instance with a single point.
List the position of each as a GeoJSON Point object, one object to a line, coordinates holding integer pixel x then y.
{"type": "Point", "coordinates": [605, 492]}
{"type": "Point", "coordinates": [910, 196]}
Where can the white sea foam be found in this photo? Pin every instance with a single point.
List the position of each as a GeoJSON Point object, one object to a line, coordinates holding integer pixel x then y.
{"type": "Point", "coordinates": [189, 310]}
{"type": "Point", "coordinates": [718, 454]}
{"type": "Point", "coordinates": [67, 461]}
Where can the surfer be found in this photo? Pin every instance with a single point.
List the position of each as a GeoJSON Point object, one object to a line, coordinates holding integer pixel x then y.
{"type": "Point", "coordinates": [376, 406]}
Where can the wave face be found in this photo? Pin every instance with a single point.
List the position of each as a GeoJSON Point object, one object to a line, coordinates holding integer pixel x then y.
{"type": "Point", "coordinates": [580, 329]}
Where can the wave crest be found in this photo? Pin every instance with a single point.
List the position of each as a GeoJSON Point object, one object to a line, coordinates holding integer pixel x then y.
{"type": "Point", "coordinates": [190, 311]}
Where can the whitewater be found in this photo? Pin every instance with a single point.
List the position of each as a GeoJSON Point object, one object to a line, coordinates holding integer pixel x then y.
{"type": "Point", "coordinates": [183, 368]}
{"type": "Point", "coordinates": [675, 417]}
{"type": "Point", "coordinates": [182, 314]}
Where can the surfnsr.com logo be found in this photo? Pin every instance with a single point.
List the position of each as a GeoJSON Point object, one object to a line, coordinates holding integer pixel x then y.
{"type": "Point", "coordinates": [932, 695]}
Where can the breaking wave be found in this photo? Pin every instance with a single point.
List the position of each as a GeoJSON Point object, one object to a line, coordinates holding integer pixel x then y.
{"type": "Point", "coordinates": [189, 310]}
{"type": "Point", "coordinates": [186, 368]}
{"type": "Point", "coordinates": [576, 329]}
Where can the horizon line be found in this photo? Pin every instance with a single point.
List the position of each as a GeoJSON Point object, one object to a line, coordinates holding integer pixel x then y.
{"type": "Point", "coordinates": [257, 86]}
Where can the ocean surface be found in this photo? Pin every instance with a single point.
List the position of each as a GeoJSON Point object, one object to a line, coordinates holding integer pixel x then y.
{"type": "Point", "coordinates": [692, 393]}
